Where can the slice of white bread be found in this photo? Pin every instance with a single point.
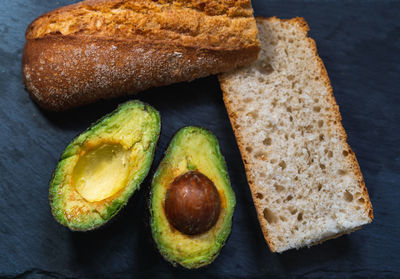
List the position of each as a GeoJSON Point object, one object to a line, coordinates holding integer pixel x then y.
{"type": "Point", "coordinates": [305, 180]}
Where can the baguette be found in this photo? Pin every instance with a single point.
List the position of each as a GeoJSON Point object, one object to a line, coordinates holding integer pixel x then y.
{"type": "Point", "coordinates": [100, 49]}
{"type": "Point", "coordinates": [305, 180]}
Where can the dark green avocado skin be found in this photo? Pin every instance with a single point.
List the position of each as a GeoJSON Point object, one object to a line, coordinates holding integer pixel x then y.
{"type": "Point", "coordinates": [129, 120]}
{"type": "Point", "coordinates": [192, 148]}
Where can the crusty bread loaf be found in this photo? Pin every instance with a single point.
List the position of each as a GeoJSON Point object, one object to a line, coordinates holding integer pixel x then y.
{"type": "Point", "coordinates": [106, 48]}
{"type": "Point", "coordinates": [304, 178]}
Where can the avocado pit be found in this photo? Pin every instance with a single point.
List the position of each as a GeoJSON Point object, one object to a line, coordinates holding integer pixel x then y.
{"type": "Point", "coordinates": [192, 203]}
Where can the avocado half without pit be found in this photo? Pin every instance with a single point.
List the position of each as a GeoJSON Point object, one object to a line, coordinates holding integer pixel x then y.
{"type": "Point", "coordinates": [101, 168]}
{"type": "Point", "coordinates": [192, 202]}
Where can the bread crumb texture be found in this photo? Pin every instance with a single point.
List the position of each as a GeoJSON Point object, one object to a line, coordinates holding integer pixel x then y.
{"type": "Point", "coordinates": [189, 22]}
{"type": "Point", "coordinates": [305, 180]}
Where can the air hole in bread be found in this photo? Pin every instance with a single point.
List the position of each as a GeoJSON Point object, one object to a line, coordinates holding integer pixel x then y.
{"type": "Point", "coordinates": [278, 187]}
{"type": "Point", "coordinates": [357, 194]}
{"type": "Point", "coordinates": [292, 210]}
{"type": "Point", "coordinates": [259, 196]}
{"type": "Point", "coordinates": [241, 109]}
{"type": "Point", "coordinates": [348, 196]}
{"type": "Point", "coordinates": [345, 153]}
{"type": "Point", "coordinates": [316, 100]}
{"type": "Point", "coordinates": [248, 100]}
{"type": "Point", "coordinates": [282, 164]}
{"type": "Point", "coordinates": [273, 161]}
{"type": "Point", "coordinates": [322, 166]}
{"type": "Point", "coordinates": [300, 216]}
{"type": "Point", "coordinates": [288, 198]}
{"type": "Point", "coordinates": [317, 109]}
{"type": "Point", "coordinates": [283, 218]}
{"type": "Point", "coordinates": [330, 154]}
{"type": "Point", "coordinates": [260, 79]}
{"type": "Point", "coordinates": [289, 109]}
{"type": "Point", "coordinates": [319, 187]}
{"type": "Point", "coordinates": [253, 114]}
{"type": "Point", "coordinates": [274, 102]}
{"type": "Point", "coordinates": [249, 149]}
{"type": "Point", "coordinates": [361, 200]}
{"type": "Point", "coordinates": [269, 216]}
{"type": "Point", "coordinates": [286, 136]}
{"type": "Point", "coordinates": [342, 172]}
{"type": "Point", "coordinates": [291, 119]}
{"type": "Point", "coordinates": [267, 141]}
{"type": "Point", "coordinates": [265, 68]}
{"type": "Point", "coordinates": [260, 155]}
{"type": "Point", "coordinates": [320, 123]}
{"type": "Point", "coordinates": [321, 137]}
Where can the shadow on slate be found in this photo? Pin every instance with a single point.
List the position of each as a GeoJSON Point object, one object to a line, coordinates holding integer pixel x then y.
{"type": "Point", "coordinates": [359, 44]}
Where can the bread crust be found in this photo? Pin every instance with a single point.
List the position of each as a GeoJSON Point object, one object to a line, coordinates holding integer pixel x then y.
{"type": "Point", "coordinates": [68, 66]}
{"type": "Point", "coordinates": [351, 158]}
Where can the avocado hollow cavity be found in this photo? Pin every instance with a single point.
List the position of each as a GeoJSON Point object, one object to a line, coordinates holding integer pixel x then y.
{"type": "Point", "coordinates": [101, 169]}
{"type": "Point", "coordinates": [101, 172]}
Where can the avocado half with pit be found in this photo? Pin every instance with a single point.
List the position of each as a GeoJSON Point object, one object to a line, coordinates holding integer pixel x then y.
{"type": "Point", "coordinates": [192, 202]}
{"type": "Point", "coordinates": [101, 168]}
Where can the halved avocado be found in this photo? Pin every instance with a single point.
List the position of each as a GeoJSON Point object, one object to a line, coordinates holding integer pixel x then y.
{"type": "Point", "coordinates": [184, 234]}
{"type": "Point", "coordinates": [101, 168]}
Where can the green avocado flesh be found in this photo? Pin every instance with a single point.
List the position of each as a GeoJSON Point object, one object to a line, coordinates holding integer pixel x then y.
{"type": "Point", "coordinates": [101, 168]}
{"type": "Point", "coordinates": [192, 148]}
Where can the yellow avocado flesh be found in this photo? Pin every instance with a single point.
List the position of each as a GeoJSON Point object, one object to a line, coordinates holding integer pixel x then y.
{"type": "Point", "coordinates": [101, 172]}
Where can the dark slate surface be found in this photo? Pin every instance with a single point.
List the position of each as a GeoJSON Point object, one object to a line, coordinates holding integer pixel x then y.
{"type": "Point", "coordinates": [359, 42]}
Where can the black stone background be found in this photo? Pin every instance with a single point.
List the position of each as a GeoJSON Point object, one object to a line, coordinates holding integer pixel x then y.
{"type": "Point", "coordinates": [359, 42]}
